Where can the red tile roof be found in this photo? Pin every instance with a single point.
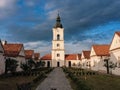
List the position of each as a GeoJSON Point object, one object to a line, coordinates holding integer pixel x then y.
{"type": "Point", "coordinates": [79, 56]}
{"type": "Point", "coordinates": [67, 57]}
{"type": "Point", "coordinates": [118, 33]}
{"type": "Point", "coordinates": [101, 50]}
{"type": "Point", "coordinates": [29, 54]}
{"type": "Point", "coordinates": [47, 57]}
{"type": "Point", "coordinates": [36, 56]}
{"type": "Point", "coordinates": [12, 50]}
{"type": "Point", "coordinates": [72, 56]}
{"type": "Point", "coordinates": [86, 54]}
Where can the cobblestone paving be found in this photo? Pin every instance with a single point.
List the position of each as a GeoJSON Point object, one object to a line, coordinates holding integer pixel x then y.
{"type": "Point", "coordinates": [56, 80]}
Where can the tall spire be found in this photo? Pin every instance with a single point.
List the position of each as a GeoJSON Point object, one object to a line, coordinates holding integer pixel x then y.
{"type": "Point", "coordinates": [58, 22]}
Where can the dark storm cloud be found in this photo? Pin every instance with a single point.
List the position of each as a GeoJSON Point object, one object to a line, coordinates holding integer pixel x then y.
{"type": "Point", "coordinates": [78, 16]}
{"type": "Point", "coordinates": [26, 34]}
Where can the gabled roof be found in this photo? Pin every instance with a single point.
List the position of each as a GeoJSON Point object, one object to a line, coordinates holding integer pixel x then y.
{"type": "Point", "coordinates": [36, 56]}
{"type": "Point", "coordinates": [71, 57]}
{"type": "Point", "coordinates": [79, 56]}
{"type": "Point", "coordinates": [67, 57]}
{"type": "Point", "coordinates": [101, 50]}
{"type": "Point", "coordinates": [29, 54]}
{"type": "Point", "coordinates": [118, 33]}
{"type": "Point", "coordinates": [12, 50]}
{"type": "Point", "coordinates": [86, 54]}
{"type": "Point", "coordinates": [47, 57]}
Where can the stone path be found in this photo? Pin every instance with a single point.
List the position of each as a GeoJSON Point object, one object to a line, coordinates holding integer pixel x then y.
{"type": "Point", "coordinates": [56, 80]}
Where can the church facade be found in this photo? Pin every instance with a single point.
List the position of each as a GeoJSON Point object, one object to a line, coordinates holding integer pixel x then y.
{"type": "Point", "coordinates": [58, 52]}
{"type": "Point", "coordinates": [57, 57]}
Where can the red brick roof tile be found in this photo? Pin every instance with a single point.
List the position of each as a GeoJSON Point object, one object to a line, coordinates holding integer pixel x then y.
{"type": "Point", "coordinates": [36, 56]}
{"type": "Point", "coordinates": [72, 56]}
{"type": "Point", "coordinates": [79, 56]}
{"type": "Point", "coordinates": [12, 50]}
{"type": "Point", "coordinates": [86, 54]}
{"type": "Point", "coordinates": [101, 50]}
{"type": "Point", "coordinates": [29, 54]}
{"type": "Point", "coordinates": [47, 57]}
{"type": "Point", "coordinates": [118, 33]}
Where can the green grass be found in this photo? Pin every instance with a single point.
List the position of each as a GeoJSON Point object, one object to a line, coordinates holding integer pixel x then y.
{"type": "Point", "coordinates": [97, 81]}
{"type": "Point", "coordinates": [102, 82]}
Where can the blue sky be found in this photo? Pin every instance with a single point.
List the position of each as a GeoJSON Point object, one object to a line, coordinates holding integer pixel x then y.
{"type": "Point", "coordinates": [85, 22]}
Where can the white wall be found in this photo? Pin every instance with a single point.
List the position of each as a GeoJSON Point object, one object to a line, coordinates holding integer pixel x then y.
{"type": "Point", "coordinates": [116, 42]}
{"type": "Point", "coordinates": [58, 49]}
{"type": "Point", "coordinates": [57, 31]}
{"type": "Point", "coordinates": [76, 62]}
{"type": "Point", "coordinates": [21, 60]}
{"type": "Point", "coordinates": [115, 53]}
{"type": "Point", "coordinates": [115, 58]}
{"type": "Point", "coordinates": [2, 64]}
{"type": "Point", "coordinates": [46, 61]}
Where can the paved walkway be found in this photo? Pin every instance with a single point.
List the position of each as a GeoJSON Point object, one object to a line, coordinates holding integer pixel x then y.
{"type": "Point", "coordinates": [56, 80]}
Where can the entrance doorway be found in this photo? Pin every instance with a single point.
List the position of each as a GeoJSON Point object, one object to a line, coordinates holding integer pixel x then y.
{"type": "Point", "coordinates": [48, 63]}
{"type": "Point", "coordinates": [69, 63]}
{"type": "Point", "coordinates": [58, 64]}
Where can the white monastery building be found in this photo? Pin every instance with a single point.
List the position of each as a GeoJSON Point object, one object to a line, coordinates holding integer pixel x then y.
{"type": "Point", "coordinates": [115, 52]}
{"type": "Point", "coordinates": [16, 52]}
{"type": "Point", "coordinates": [85, 59]}
{"type": "Point", "coordinates": [97, 55]}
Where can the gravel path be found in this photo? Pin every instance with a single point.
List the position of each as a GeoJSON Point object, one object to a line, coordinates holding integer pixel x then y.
{"type": "Point", "coordinates": [56, 80]}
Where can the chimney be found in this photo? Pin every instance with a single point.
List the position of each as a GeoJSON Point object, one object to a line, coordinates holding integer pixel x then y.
{"type": "Point", "coordinates": [4, 42]}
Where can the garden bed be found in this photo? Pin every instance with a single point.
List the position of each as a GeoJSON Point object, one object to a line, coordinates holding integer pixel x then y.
{"type": "Point", "coordinates": [22, 79]}
{"type": "Point", "coordinates": [89, 80]}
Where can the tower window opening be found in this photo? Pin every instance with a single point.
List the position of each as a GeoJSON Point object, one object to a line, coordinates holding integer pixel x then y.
{"type": "Point", "coordinates": [58, 55]}
{"type": "Point", "coordinates": [58, 37]}
{"type": "Point", "coordinates": [58, 45]}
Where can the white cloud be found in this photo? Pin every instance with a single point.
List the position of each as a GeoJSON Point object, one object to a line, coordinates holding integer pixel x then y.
{"type": "Point", "coordinates": [39, 46]}
{"type": "Point", "coordinates": [6, 3]}
{"type": "Point", "coordinates": [78, 46]}
{"type": "Point", "coordinates": [48, 6]}
{"type": "Point", "coordinates": [52, 14]}
{"type": "Point", "coordinates": [70, 47]}
{"type": "Point", "coordinates": [6, 7]}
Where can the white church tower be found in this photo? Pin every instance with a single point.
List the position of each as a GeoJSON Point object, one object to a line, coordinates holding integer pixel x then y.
{"type": "Point", "coordinates": [58, 52]}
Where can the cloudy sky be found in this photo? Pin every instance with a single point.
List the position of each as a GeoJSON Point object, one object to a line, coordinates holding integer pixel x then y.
{"type": "Point", "coordinates": [85, 22]}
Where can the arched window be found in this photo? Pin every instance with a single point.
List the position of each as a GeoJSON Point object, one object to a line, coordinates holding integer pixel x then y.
{"type": "Point", "coordinates": [58, 45]}
{"type": "Point", "coordinates": [58, 37]}
{"type": "Point", "coordinates": [58, 55]}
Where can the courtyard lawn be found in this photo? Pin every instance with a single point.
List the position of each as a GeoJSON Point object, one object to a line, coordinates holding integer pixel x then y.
{"type": "Point", "coordinates": [102, 82]}
{"type": "Point", "coordinates": [82, 80]}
